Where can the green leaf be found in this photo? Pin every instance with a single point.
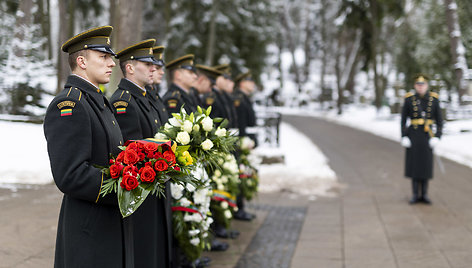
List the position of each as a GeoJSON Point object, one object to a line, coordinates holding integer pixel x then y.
{"type": "Point", "coordinates": [181, 149]}
{"type": "Point", "coordinates": [199, 109]}
{"type": "Point", "coordinates": [129, 201]}
{"type": "Point", "coordinates": [224, 123]}
{"type": "Point", "coordinates": [208, 111]}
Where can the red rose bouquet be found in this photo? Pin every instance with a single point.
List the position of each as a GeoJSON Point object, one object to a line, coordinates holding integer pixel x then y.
{"type": "Point", "coordinates": [142, 168]}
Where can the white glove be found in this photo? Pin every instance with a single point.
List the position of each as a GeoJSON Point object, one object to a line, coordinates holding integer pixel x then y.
{"type": "Point", "coordinates": [406, 142]}
{"type": "Point", "coordinates": [433, 142]}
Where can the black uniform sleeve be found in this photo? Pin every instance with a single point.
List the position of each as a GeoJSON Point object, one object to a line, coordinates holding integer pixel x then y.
{"type": "Point", "coordinates": [69, 140]}
{"type": "Point", "coordinates": [128, 119]}
{"type": "Point", "coordinates": [405, 112]}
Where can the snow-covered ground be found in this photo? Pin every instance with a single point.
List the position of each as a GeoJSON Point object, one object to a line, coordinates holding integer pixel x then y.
{"type": "Point", "coordinates": [24, 154]}
{"type": "Point", "coordinates": [305, 172]}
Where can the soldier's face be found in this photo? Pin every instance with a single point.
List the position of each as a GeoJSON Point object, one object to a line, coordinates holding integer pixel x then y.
{"type": "Point", "coordinates": [221, 82]}
{"type": "Point", "coordinates": [143, 73]}
{"type": "Point", "coordinates": [247, 86]}
{"type": "Point", "coordinates": [158, 74]}
{"type": "Point", "coordinates": [421, 87]}
{"type": "Point", "coordinates": [203, 84]}
{"type": "Point", "coordinates": [98, 66]}
{"type": "Point", "coordinates": [229, 85]}
{"type": "Point", "coordinates": [187, 77]}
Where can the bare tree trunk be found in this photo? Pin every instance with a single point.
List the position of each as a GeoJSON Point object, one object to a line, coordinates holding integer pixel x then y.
{"type": "Point", "coordinates": [65, 32]}
{"type": "Point", "coordinates": [280, 45]}
{"type": "Point", "coordinates": [374, 42]}
{"type": "Point", "coordinates": [338, 72]}
{"type": "Point", "coordinates": [23, 22]}
{"type": "Point", "coordinates": [308, 41]}
{"type": "Point", "coordinates": [43, 11]}
{"type": "Point", "coordinates": [347, 56]}
{"type": "Point", "coordinates": [211, 35]}
{"type": "Point", "coordinates": [289, 27]}
{"type": "Point", "coordinates": [126, 18]}
{"type": "Point", "coordinates": [324, 47]}
{"type": "Point", "coordinates": [457, 48]}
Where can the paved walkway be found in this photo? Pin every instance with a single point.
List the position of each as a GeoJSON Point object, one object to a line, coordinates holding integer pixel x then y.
{"type": "Point", "coordinates": [369, 224]}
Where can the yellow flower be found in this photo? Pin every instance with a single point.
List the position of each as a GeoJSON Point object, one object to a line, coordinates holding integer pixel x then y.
{"type": "Point", "coordinates": [188, 158]}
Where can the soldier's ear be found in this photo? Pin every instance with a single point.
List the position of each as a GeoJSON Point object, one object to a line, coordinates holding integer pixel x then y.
{"type": "Point", "coordinates": [130, 68]}
{"type": "Point", "coordinates": [81, 61]}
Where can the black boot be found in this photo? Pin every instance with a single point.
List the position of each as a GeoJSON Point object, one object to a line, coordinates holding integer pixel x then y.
{"type": "Point", "coordinates": [414, 188]}
{"type": "Point", "coordinates": [424, 192]}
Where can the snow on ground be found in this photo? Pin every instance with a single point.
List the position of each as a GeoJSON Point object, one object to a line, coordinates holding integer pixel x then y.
{"type": "Point", "coordinates": [24, 155]}
{"type": "Point", "coordinates": [304, 172]}
{"type": "Point", "coordinates": [455, 143]}
{"type": "Point", "coordinates": [27, 161]}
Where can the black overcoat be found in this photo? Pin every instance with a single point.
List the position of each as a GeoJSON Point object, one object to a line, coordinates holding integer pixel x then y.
{"type": "Point", "coordinates": [81, 132]}
{"type": "Point", "coordinates": [419, 157]}
{"type": "Point", "coordinates": [246, 117]}
{"type": "Point", "coordinates": [175, 98]}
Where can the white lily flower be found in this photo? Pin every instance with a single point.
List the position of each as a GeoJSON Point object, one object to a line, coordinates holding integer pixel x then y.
{"type": "Point", "coordinates": [207, 144]}
{"type": "Point", "coordinates": [188, 126]}
{"type": "Point", "coordinates": [183, 138]}
{"type": "Point", "coordinates": [207, 124]}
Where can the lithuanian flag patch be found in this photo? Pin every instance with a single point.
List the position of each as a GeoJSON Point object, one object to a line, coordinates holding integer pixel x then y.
{"type": "Point", "coordinates": [66, 112]}
{"type": "Point", "coordinates": [121, 110]}
{"type": "Point", "coordinates": [172, 103]}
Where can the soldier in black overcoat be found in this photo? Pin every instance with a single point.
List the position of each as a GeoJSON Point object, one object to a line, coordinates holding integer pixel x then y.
{"type": "Point", "coordinates": [153, 90]}
{"type": "Point", "coordinates": [420, 136]}
{"type": "Point", "coordinates": [225, 86]}
{"type": "Point", "coordinates": [139, 119]}
{"type": "Point", "coordinates": [213, 97]}
{"type": "Point", "coordinates": [244, 87]}
{"type": "Point", "coordinates": [182, 76]}
{"type": "Point", "coordinates": [81, 132]}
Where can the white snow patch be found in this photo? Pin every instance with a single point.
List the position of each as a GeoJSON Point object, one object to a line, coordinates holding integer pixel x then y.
{"type": "Point", "coordinates": [305, 171]}
{"type": "Point", "coordinates": [24, 155]}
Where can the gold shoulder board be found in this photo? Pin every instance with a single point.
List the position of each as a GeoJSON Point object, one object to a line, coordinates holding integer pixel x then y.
{"type": "Point", "coordinates": [409, 94]}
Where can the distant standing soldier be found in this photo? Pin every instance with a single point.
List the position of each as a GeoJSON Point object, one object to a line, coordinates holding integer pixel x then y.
{"type": "Point", "coordinates": [154, 89]}
{"type": "Point", "coordinates": [422, 108]}
{"type": "Point", "coordinates": [182, 76]}
{"type": "Point", "coordinates": [81, 132]}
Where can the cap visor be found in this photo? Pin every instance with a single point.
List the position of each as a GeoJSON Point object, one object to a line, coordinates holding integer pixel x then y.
{"type": "Point", "coordinates": [160, 63]}
{"type": "Point", "coordinates": [189, 67]}
{"type": "Point", "coordinates": [103, 49]}
{"type": "Point", "coordinates": [147, 59]}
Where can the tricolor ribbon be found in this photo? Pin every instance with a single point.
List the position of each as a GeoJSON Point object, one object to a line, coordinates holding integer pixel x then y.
{"type": "Point", "coordinates": [219, 195]}
{"type": "Point", "coordinates": [190, 209]}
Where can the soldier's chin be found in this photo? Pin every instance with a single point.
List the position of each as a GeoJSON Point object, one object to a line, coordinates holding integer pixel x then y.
{"type": "Point", "coordinates": [105, 80]}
